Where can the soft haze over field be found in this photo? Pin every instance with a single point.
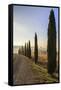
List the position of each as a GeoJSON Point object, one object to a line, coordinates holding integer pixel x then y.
{"type": "Point", "coordinates": [28, 20]}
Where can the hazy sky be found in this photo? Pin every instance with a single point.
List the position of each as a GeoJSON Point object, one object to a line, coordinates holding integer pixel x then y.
{"type": "Point", "coordinates": [28, 20]}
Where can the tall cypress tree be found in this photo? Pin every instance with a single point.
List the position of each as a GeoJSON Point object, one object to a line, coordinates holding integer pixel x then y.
{"type": "Point", "coordinates": [19, 51]}
{"type": "Point", "coordinates": [36, 49]}
{"type": "Point", "coordinates": [25, 49]}
{"type": "Point", "coordinates": [22, 50]}
{"type": "Point", "coordinates": [29, 50]}
{"type": "Point", "coordinates": [51, 48]}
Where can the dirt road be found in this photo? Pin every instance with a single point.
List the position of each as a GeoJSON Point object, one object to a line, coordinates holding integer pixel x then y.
{"type": "Point", "coordinates": [22, 69]}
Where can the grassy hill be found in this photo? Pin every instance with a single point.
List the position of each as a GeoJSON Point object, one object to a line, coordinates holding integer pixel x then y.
{"type": "Point", "coordinates": [42, 74]}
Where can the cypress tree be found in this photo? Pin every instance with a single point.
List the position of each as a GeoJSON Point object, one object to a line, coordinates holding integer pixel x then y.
{"type": "Point", "coordinates": [29, 51]}
{"type": "Point", "coordinates": [25, 49]}
{"type": "Point", "coordinates": [22, 50]}
{"type": "Point", "coordinates": [27, 54]}
{"type": "Point", "coordinates": [51, 48]}
{"type": "Point", "coordinates": [19, 51]}
{"type": "Point", "coordinates": [36, 49]}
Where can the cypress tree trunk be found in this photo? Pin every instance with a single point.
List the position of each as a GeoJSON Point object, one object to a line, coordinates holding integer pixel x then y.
{"type": "Point", "coordinates": [36, 49]}
{"type": "Point", "coordinates": [51, 48]}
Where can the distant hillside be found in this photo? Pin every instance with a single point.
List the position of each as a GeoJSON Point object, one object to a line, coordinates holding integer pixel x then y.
{"type": "Point", "coordinates": [40, 50]}
{"type": "Point", "coordinates": [15, 49]}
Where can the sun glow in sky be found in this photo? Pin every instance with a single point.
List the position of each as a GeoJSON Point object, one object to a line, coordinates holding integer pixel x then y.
{"type": "Point", "coordinates": [28, 20]}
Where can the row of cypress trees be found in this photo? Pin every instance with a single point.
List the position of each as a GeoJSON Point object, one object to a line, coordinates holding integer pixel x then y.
{"type": "Point", "coordinates": [51, 45]}
{"type": "Point", "coordinates": [28, 49]}
{"type": "Point", "coordinates": [21, 50]}
{"type": "Point", "coordinates": [25, 50]}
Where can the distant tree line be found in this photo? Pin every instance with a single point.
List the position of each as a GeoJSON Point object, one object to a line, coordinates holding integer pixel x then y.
{"type": "Point", "coordinates": [51, 45]}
